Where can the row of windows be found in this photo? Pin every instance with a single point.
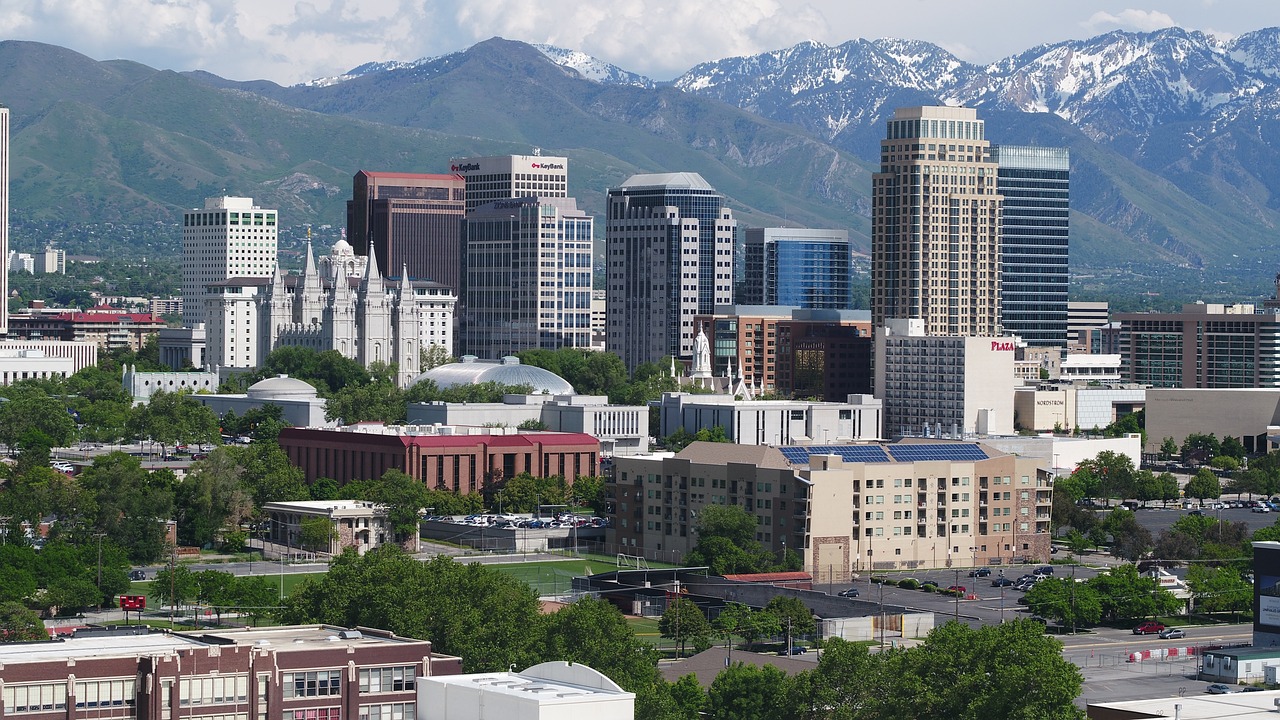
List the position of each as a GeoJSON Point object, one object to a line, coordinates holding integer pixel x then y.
{"type": "Point", "coordinates": [311, 684]}
{"type": "Point", "coordinates": [387, 679]}
{"type": "Point", "coordinates": [214, 689]}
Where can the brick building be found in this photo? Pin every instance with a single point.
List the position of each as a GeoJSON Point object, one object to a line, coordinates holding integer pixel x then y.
{"type": "Point", "coordinates": [461, 459]}
{"type": "Point", "coordinates": [309, 672]}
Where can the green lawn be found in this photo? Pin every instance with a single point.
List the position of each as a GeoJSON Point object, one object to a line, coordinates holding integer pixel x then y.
{"type": "Point", "coordinates": [553, 577]}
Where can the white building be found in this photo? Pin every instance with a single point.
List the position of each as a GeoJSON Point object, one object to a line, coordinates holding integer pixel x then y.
{"type": "Point", "coordinates": [4, 218]}
{"type": "Point", "coordinates": [299, 404]}
{"type": "Point", "coordinates": [621, 429]}
{"type": "Point", "coordinates": [22, 262]}
{"type": "Point", "coordinates": [948, 385]}
{"type": "Point", "coordinates": [337, 304]}
{"type": "Point", "coordinates": [142, 385]}
{"type": "Point", "coordinates": [229, 238]}
{"type": "Point", "coordinates": [1251, 415]}
{"type": "Point", "coordinates": [81, 354]}
{"type": "Point", "coordinates": [512, 176]}
{"type": "Point", "coordinates": [550, 691]}
{"type": "Point", "coordinates": [1090, 368]}
{"type": "Point", "coordinates": [50, 260]}
{"type": "Point", "coordinates": [772, 422]}
{"type": "Point", "coordinates": [1062, 455]}
{"type": "Point", "coordinates": [182, 347]}
{"type": "Point", "coordinates": [668, 256]}
{"type": "Point", "coordinates": [526, 276]}
{"type": "Point", "coordinates": [1075, 405]}
{"type": "Point", "coordinates": [356, 523]}
{"type": "Point", "coordinates": [18, 365]}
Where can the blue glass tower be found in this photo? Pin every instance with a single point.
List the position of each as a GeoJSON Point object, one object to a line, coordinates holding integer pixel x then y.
{"type": "Point", "coordinates": [1035, 229]}
{"type": "Point", "coordinates": [797, 267]}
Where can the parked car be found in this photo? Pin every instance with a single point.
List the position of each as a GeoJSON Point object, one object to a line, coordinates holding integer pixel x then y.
{"type": "Point", "coordinates": [980, 572]}
{"type": "Point", "coordinates": [1197, 513]}
{"type": "Point", "coordinates": [849, 592]}
{"type": "Point", "coordinates": [1001, 582]}
{"type": "Point", "coordinates": [1260, 509]}
{"type": "Point", "coordinates": [795, 650]}
{"type": "Point", "coordinates": [1043, 571]}
{"type": "Point", "coordinates": [1150, 627]}
{"type": "Point", "coordinates": [1172, 633]}
{"type": "Point", "coordinates": [957, 589]}
{"type": "Point", "coordinates": [137, 575]}
{"type": "Point", "coordinates": [1218, 689]}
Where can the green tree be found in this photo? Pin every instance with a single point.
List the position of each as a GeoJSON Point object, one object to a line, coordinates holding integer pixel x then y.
{"type": "Point", "coordinates": [70, 595]}
{"type": "Point", "coordinates": [1225, 462]}
{"type": "Point", "coordinates": [209, 498]}
{"type": "Point", "coordinates": [32, 422]}
{"type": "Point", "coordinates": [175, 586]}
{"type": "Point", "coordinates": [1169, 489]}
{"type": "Point", "coordinates": [747, 692]}
{"type": "Point", "coordinates": [595, 633]}
{"type": "Point", "coordinates": [1077, 542]}
{"type": "Point", "coordinates": [131, 504]}
{"type": "Point", "coordinates": [794, 617]}
{"type": "Point", "coordinates": [317, 534]}
{"type": "Point", "coordinates": [1146, 487]}
{"type": "Point", "coordinates": [267, 474]}
{"type": "Point", "coordinates": [532, 424]}
{"type": "Point", "coordinates": [404, 497]}
{"type": "Point", "coordinates": [1219, 589]}
{"type": "Point", "coordinates": [591, 491]}
{"type": "Point", "coordinates": [1127, 595]}
{"type": "Point", "coordinates": [256, 596]}
{"type": "Point", "coordinates": [173, 418]}
{"type": "Point", "coordinates": [684, 621]}
{"type": "Point", "coordinates": [1204, 485]}
{"type": "Point", "coordinates": [1168, 448]}
{"type": "Point", "coordinates": [727, 541]}
{"type": "Point", "coordinates": [1232, 447]}
{"type": "Point", "coordinates": [20, 624]}
{"type": "Point", "coordinates": [380, 401]}
{"type": "Point", "coordinates": [1065, 601]}
{"type": "Point", "coordinates": [433, 356]}
{"type": "Point", "coordinates": [1114, 472]}
{"type": "Point", "coordinates": [217, 589]}
{"type": "Point", "coordinates": [1199, 448]}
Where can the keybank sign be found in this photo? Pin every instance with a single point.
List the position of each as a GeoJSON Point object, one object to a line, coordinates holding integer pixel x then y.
{"type": "Point", "coordinates": [464, 168]}
{"type": "Point", "coordinates": [547, 166]}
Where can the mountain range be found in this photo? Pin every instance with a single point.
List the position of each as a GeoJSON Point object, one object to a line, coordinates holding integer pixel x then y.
{"type": "Point", "coordinates": [1173, 134]}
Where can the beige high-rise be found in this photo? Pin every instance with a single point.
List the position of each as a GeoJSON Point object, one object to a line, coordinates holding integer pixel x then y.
{"type": "Point", "coordinates": [935, 223]}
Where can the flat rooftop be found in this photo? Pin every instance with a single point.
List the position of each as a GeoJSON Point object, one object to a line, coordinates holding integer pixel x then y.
{"type": "Point", "coordinates": [95, 646]}
{"type": "Point", "coordinates": [298, 635]}
{"type": "Point", "coordinates": [1237, 706]}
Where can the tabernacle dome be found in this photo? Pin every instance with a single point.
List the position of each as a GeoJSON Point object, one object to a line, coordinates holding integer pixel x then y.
{"type": "Point", "coordinates": [508, 371]}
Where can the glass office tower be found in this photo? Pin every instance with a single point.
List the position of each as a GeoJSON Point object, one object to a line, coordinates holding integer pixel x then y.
{"type": "Point", "coordinates": [797, 267]}
{"type": "Point", "coordinates": [1035, 183]}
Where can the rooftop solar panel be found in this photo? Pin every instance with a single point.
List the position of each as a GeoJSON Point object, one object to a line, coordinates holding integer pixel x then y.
{"type": "Point", "coordinates": [947, 451]}
{"type": "Point", "coordinates": [799, 455]}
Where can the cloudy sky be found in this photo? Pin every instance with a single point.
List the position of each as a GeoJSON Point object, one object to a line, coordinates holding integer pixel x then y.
{"type": "Point", "coordinates": [290, 41]}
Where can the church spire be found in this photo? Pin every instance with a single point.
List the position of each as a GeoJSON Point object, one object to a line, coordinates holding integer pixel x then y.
{"type": "Point", "coordinates": [372, 281]}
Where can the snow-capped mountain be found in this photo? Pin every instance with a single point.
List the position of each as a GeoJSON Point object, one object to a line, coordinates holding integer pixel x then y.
{"type": "Point", "coordinates": [593, 68]}
{"type": "Point", "coordinates": [369, 68]}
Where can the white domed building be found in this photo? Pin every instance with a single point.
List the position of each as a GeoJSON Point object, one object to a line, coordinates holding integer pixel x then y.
{"type": "Point", "coordinates": [300, 404]}
{"type": "Point", "coordinates": [471, 370]}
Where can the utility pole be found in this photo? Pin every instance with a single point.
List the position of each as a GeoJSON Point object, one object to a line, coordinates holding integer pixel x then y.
{"type": "Point", "coordinates": [881, 613]}
{"type": "Point", "coordinates": [1073, 599]}
{"type": "Point", "coordinates": [957, 592]}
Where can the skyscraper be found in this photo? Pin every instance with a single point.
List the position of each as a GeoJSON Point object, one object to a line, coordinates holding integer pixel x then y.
{"type": "Point", "coordinates": [4, 219]}
{"type": "Point", "coordinates": [229, 238]}
{"type": "Point", "coordinates": [797, 267]}
{"type": "Point", "coordinates": [1035, 185]}
{"type": "Point", "coordinates": [935, 224]}
{"type": "Point", "coordinates": [512, 176]}
{"type": "Point", "coordinates": [526, 277]}
{"type": "Point", "coordinates": [412, 220]}
{"type": "Point", "coordinates": [669, 256]}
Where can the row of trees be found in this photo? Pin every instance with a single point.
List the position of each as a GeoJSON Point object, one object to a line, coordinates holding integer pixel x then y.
{"type": "Point", "coordinates": [492, 621]}
{"type": "Point", "coordinates": [253, 596]}
{"type": "Point", "coordinates": [785, 616]}
{"type": "Point", "coordinates": [1120, 594]}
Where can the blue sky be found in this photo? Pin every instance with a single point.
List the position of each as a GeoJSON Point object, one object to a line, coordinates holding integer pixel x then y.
{"type": "Point", "coordinates": [290, 41]}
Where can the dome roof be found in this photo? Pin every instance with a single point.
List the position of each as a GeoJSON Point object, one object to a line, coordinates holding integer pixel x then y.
{"type": "Point", "coordinates": [342, 247]}
{"type": "Point", "coordinates": [507, 371]}
{"type": "Point", "coordinates": [281, 387]}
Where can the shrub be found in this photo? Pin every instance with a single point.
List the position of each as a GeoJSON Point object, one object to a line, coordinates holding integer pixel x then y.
{"type": "Point", "coordinates": [909, 584]}
{"type": "Point", "coordinates": [929, 587]}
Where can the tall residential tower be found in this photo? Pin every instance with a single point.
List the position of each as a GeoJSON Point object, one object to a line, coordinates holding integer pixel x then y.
{"type": "Point", "coordinates": [935, 224]}
{"type": "Point", "coordinates": [1035, 184]}
{"type": "Point", "coordinates": [669, 256]}
{"type": "Point", "coordinates": [797, 267]}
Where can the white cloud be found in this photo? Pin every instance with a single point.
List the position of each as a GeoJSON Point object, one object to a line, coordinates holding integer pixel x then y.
{"type": "Point", "coordinates": [1141, 20]}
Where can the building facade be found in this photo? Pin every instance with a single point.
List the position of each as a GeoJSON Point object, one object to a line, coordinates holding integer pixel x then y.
{"type": "Point", "coordinates": [943, 385]}
{"type": "Point", "coordinates": [104, 326]}
{"type": "Point", "coordinates": [1250, 415]}
{"type": "Point", "coordinates": [18, 365]}
{"type": "Point", "coordinates": [311, 672]}
{"type": "Point", "coordinates": [512, 176]}
{"type": "Point", "coordinates": [1204, 346]}
{"type": "Point", "coordinates": [668, 257]}
{"type": "Point", "coordinates": [935, 224]}
{"type": "Point", "coordinates": [846, 509]}
{"type": "Point", "coordinates": [772, 422]}
{"type": "Point", "coordinates": [413, 221]}
{"type": "Point", "coordinates": [357, 524]}
{"type": "Point", "coordinates": [824, 354]}
{"type": "Point", "coordinates": [621, 429]}
{"type": "Point", "coordinates": [228, 238]}
{"type": "Point", "coordinates": [81, 354]}
{"type": "Point", "coordinates": [1035, 184]}
{"type": "Point", "coordinates": [526, 277]}
{"type": "Point", "coordinates": [4, 217]}
{"type": "Point", "coordinates": [797, 267]}
{"type": "Point", "coordinates": [341, 303]}
{"type": "Point", "coordinates": [459, 459]}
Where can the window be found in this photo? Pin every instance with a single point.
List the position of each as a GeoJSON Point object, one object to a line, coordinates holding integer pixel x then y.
{"type": "Point", "coordinates": [213, 689]}
{"type": "Point", "coordinates": [311, 684]}
{"type": "Point", "coordinates": [331, 713]}
{"type": "Point", "coordinates": [35, 698]}
{"type": "Point", "coordinates": [389, 711]}
{"type": "Point", "coordinates": [387, 679]}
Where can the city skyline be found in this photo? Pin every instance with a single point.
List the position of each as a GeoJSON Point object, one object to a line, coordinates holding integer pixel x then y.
{"type": "Point", "coordinates": [291, 43]}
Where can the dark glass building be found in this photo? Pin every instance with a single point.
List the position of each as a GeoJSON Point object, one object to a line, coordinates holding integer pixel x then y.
{"type": "Point", "coordinates": [413, 221]}
{"type": "Point", "coordinates": [797, 267]}
{"type": "Point", "coordinates": [1035, 183]}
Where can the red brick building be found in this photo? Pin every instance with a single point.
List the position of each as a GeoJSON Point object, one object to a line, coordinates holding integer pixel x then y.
{"type": "Point", "coordinates": [460, 459]}
{"type": "Point", "coordinates": [310, 672]}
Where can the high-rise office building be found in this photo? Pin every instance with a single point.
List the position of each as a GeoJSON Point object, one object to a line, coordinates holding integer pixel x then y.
{"type": "Point", "coordinates": [935, 224]}
{"type": "Point", "coordinates": [4, 217]}
{"type": "Point", "coordinates": [797, 267]}
{"type": "Point", "coordinates": [669, 256]}
{"type": "Point", "coordinates": [228, 238]}
{"type": "Point", "coordinates": [526, 277]}
{"type": "Point", "coordinates": [412, 220]}
{"type": "Point", "coordinates": [1034, 183]}
{"type": "Point", "coordinates": [512, 176]}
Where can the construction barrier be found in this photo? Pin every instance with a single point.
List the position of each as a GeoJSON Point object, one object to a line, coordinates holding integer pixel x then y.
{"type": "Point", "coordinates": [1161, 654]}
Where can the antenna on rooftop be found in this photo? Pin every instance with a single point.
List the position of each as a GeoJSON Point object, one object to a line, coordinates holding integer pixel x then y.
{"type": "Point", "coordinates": [537, 152]}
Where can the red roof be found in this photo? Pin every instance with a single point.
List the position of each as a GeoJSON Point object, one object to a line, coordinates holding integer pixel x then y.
{"type": "Point", "coordinates": [770, 577]}
{"type": "Point", "coordinates": [412, 176]}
